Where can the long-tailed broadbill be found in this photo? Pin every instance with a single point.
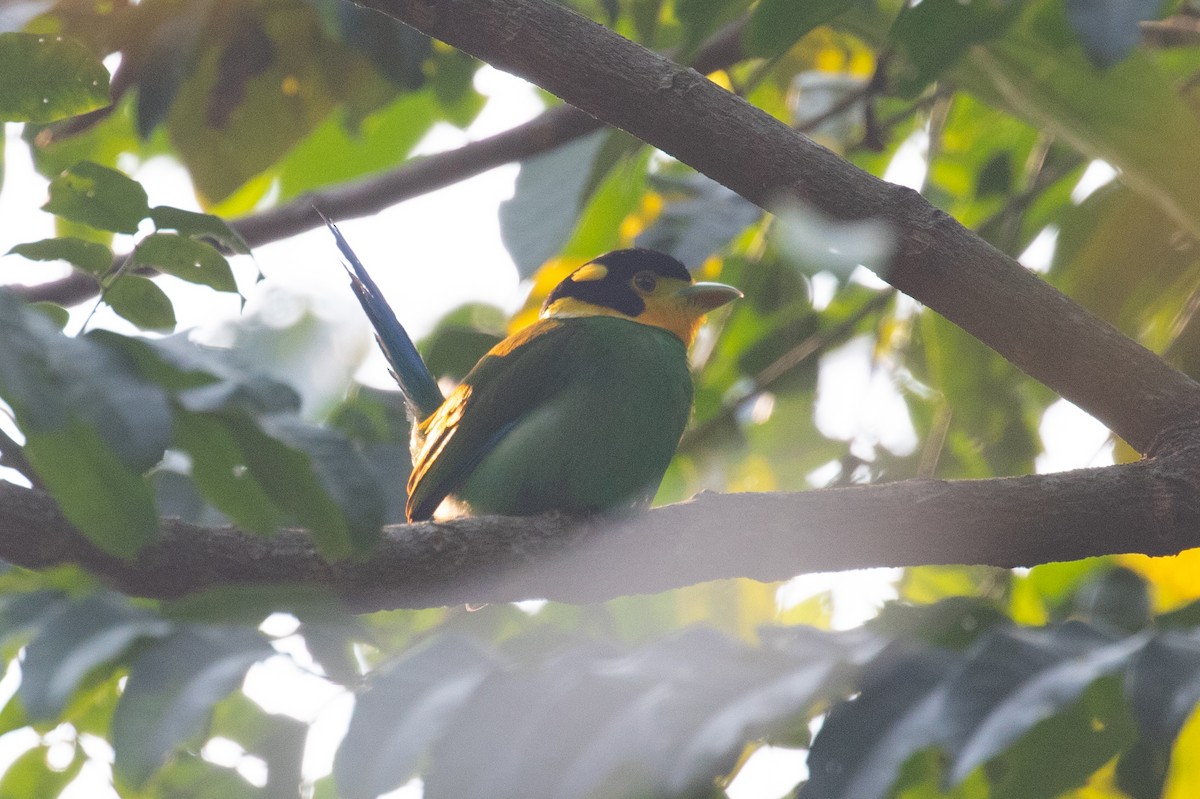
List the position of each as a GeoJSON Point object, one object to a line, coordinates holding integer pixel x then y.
{"type": "Point", "coordinates": [580, 412]}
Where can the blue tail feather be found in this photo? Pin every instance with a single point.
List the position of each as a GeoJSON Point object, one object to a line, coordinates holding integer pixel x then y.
{"type": "Point", "coordinates": [420, 390]}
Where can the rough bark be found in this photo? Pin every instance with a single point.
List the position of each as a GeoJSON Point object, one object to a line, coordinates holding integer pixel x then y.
{"type": "Point", "coordinates": [1151, 506]}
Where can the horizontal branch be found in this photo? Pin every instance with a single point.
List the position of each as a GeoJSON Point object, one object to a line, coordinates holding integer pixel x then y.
{"type": "Point", "coordinates": [936, 260]}
{"type": "Point", "coordinates": [1149, 507]}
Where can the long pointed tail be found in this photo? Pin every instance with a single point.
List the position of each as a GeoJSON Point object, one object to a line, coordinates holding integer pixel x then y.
{"type": "Point", "coordinates": [420, 390]}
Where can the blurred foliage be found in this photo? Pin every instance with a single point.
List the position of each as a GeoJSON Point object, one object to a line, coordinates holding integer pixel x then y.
{"type": "Point", "coordinates": [1069, 679]}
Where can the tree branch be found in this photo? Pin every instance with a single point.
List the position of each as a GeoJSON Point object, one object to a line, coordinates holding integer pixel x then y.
{"type": "Point", "coordinates": [936, 260]}
{"type": "Point", "coordinates": [1150, 506]}
{"type": "Point", "coordinates": [550, 129]}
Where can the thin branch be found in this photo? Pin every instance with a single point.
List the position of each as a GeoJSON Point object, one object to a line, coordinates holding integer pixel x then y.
{"type": "Point", "coordinates": [552, 128]}
{"type": "Point", "coordinates": [782, 368]}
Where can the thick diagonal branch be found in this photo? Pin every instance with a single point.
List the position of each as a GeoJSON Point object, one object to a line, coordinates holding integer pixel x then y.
{"type": "Point", "coordinates": [936, 260]}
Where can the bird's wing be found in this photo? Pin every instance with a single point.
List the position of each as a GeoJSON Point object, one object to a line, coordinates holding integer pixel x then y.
{"type": "Point", "coordinates": [515, 377]}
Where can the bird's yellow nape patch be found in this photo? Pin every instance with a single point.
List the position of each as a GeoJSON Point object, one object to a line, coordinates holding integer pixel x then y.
{"type": "Point", "coordinates": [589, 273]}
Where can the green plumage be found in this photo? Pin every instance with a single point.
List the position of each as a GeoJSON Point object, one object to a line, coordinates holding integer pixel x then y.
{"type": "Point", "coordinates": [575, 414]}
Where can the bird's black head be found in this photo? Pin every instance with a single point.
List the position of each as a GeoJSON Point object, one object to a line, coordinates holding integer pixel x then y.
{"type": "Point", "coordinates": [619, 281]}
{"type": "Point", "coordinates": [645, 286]}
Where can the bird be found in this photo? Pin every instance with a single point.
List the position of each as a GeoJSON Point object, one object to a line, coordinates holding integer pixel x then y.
{"type": "Point", "coordinates": [579, 412]}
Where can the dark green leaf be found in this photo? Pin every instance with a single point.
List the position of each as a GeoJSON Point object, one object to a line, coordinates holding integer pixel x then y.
{"type": "Point", "coordinates": [1063, 751]}
{"type": "Point", "coordinates": [1016, 679]}
{"type": "Point", "coordinates": [937, 33]}
{"type": "Point", "coordinates": [343, 477]}
{"type": "Point", "coordinates": [1164, 686]}
{"type": "Point", "coordinates": [198, 226]}
{"type": "Point", "coordinates": [220, 473]}
{"type": "Point", "coordinates": [93, 258]}
{"type": "Point", "coordinates": [47, 377]}
{"type": "Point", "coordinates": [1117, 599]}
{"type": "Point", "coordinates": [701, 17]}
{"type": "Point", "coordinates": [775, 25]}
{"type": "Point", "coordinates": [1109, 29]}
{"type": "Point", "coordinates": [172, 687]}
{"type": "Point", "coordinates": [21, 612]}
{"type": "Point", "coordinates": [75, 640]}
{"type": "Point", "coordinates": [48, 78]}
{"type": "Point", "coordinates": [92, 426]}
{"type": "Point", "coordinates": [407, 708]}
{"type": "Point", "coordinates": [187, 259]}
{"type": "Point", "coordinates": [694, 228]}
{"type": "Point", "coordinates": [207, 378]}
{"type": "Point", "coordinates": [101, 496]}
{"type": "Point", "coordinates": [898, 712]}
{"type": "Point", "coordinates": [550, 191]}
{"type": "Point", "coordinates": [263, 473]}
{"type": "Point", "coordinates": [395, 49]}
{"type": "Point", "coordinates": [140, 300]}
{"type": "Point", "coordinates": [98, 196]}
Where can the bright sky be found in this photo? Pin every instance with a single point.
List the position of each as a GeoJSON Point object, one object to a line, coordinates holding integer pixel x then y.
{"type": "Point", "coordinates": [429, 255]}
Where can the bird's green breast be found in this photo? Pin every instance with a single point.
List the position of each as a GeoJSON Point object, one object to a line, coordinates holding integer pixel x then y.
{"type": "Point", "coordinates": [599, 427]}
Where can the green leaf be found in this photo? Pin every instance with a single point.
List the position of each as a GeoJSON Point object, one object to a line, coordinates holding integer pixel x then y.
{"type": "Point", "coordinates": [92, 426]}
{"type": "Point", "coordinates": [101, 496]}
{"type": "Point", "coordinates": [550, 191]}
{"type": "Point", "coordinates": [58, 315]}
{"type": "Point", "coordinates": [298, 81]}
{"type": "Point", "coordinates": [1164, 686]}
{"type": "Point", "coordinates": [47, 78]}
{"type": "Point", "coordinates": [98, 196]}
{"type": "Point", "coordinates": [1016, 679]}
{"type": "Point", "coordinates": [141, 301]}
{"type": "Point", "coordinates": [935, 34]}
{"type": "Point", "coordinates": [186, 259]}
{"type": "Point", "coordinates": [172, 687]}
{"type": "Point", "coordinates": [31, 775]}
{"type": "Point", "coordinates": [775, 25]}
{"type": "Point", "coordinates": [220, 472]}
{"type": "Point", "coordinates": [47, 378]}
{"type": "Point", "coordinates": [1063, 751]}
{"type": "Point", "coordinates": [407, 708]}
{"type": "Point", "coordinates": [75, 640]}
{"type": "Point", "coordinates": [395, 49]}
{"type": "Point", "coordinates": [93, 258]}
{"type": "Point", "coordinates": [265, 472]}
{"type": "Point", "coordinates": [1101, 238]}
{"type": "Point", "coordinates": [862, 744]}
{"type": "Point", "coordinates": [1039, 73]}
{"type": "Point", "coordinates": [345, 486]}
{"type": "Point", "coordinates": [382, 140]}
{"type": "Point", "coordinates": [198, 226]}
{"type": "Point", "coordinates": [701, 17]}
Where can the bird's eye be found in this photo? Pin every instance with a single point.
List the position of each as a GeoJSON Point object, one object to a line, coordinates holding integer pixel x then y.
{"type": "Point", "coordinates": [645, 282]}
